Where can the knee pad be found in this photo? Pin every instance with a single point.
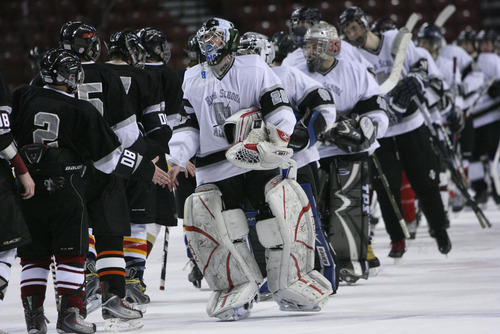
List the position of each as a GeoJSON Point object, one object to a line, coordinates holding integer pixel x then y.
{"type": "Point", "coordinates": [217, 240]}
{"type": "Point", "coordinates": [348, 227]}
{"type": "Point", "coordinates": [289, 239]}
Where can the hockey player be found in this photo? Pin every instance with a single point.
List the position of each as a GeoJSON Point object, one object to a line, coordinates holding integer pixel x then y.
{"type": "Point", "coordinates": [105, 195]}
{"type": "Point", "coordinates": [284, 45]}
{"type": "Point", "coordinates": [127, 59]}
{"type": "Point", "coordinates": [158, 49]}
{"type": "Point", "coordinates": [486, 118]}
{"type": "Point", "coordinates": [348, 143]}
{"type": "Point", "coordinates": [59, 135]}
{"type": "Point", "coordinates": [406, 143]}
{"type": "Point", "coordinates": [314, 108]}
{"type": "Point", "coordinates": [302, 19]}
{"type": "Point", "coordinates": [14, 230]}
{"type": "Point", "coordinates": [216, 94]}
{"type": "Point", "coordinates": [467, 40]}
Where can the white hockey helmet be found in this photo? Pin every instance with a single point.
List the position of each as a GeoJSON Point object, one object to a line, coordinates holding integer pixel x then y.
{"type": "Point", "coordinates": [217, 38]}
{"type": "Point", "coordinates": [255, 43]}
{"type": "Point", "coordinates": [321, 42]}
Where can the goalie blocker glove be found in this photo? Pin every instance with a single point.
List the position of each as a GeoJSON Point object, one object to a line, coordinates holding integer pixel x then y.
{"type": "Point", "coordinates": [352, 135]}
{"type": "Point", "coordinates": [413, 85]}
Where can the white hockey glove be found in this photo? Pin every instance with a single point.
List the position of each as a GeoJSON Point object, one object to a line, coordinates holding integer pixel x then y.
{"type": "Point", "coordinates": [351, 134]}
{"type": "Point", "coordinates": [264, 148]}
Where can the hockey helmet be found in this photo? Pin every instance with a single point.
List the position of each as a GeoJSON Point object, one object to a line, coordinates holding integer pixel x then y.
{"type": "Point", "coordinates": [35, 56]}
{"type": "Point", "coordinates": [303, 18]}
{"type": "Point", "coordinates": [432, 34]}
{"type": "Point", "coordinates": [126, 45]}
{"type": "Point", "coordinates": [383, 24]}
{"type": "Point", "coordinates": [283, 45]}
{"type": "Point", "coordinates": [193, 50]}
{"type": "Point", "coordinates": [487, 35]}
{"type": "Point", "coordinates": [80, 38]}
{"type": "Point", "coordinates": [155, 43]}
{"type": "Point", "coordinates": [217, 38]}
{"type": "Point", "coordinates": [354, 14]}
{"type": "Point", "coordinates": [59, 67]}
{"type": "Point", "coordinates": [321, 43]}
{"type": "Point", "coordinates": [255, 43]}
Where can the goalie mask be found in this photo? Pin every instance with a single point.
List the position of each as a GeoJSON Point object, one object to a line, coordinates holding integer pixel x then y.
{"type": "Point", "coordinates": [302, 19]}
{"type": "Point", "coordinates": [255, 43]}
{"type": "Point", "coordinates": [82, 39]}
{"type": "Point", "coordinates": [355, 34]}
{"type": "Point", "coordinates": [126, 45]}
{"type": "Point", "coordinates": [217, 38]}
{"type": "Point", "coordinates": [430, 37]}
{"type": "Point", "coordinates": [61, 68]}
{"type": "Point", "coordinates": [321, 43]}
{"type": "Point", "coordinates": [155, 43]}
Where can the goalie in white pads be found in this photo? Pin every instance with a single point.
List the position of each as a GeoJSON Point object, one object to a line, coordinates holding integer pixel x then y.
{"type": "Point", "coordinates": [216, 225]}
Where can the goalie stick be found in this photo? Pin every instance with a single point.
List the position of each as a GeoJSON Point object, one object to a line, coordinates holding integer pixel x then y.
{"type": "Point", "coordinates": [444, 15]}
{"type": "Point", "coordinates": [395, 206]}
{"type": "Point", "coordinates": [451, 163]}
{"type": "Point", "coordinates": [398, 50]}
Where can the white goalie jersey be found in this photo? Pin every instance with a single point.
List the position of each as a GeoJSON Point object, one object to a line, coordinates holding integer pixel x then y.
{"type": "Point", "coordinates": [208, 101]}
{"type": "Point", "coordinates": [353, 89]}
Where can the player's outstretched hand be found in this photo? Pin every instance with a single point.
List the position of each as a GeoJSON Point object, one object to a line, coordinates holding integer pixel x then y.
{"type": "Point", "coordinates": [160, 177]}
{"type": "Point", "coordinates": [28, 184]}
{"type": "Point", "coordinates": [190, 169]}
{"type": "Point", "coordinates": [172, 175]}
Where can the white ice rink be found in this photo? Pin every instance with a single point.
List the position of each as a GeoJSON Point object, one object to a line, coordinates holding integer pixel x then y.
{"type": "Point", "coordinates": [427, 293]}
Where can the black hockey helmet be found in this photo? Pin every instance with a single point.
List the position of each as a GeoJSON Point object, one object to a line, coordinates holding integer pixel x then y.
{"type": "Point", "coordinates": [217, 38]}
{"type": "Point", "coordinates": [80, 38]}
{"type": "Point", "coordinates": [487, 35]}
{"type": "Point", "coordinates": [432, 33]}
{"type": "Point", "coordinates": [35, 56]}
{"type": "Point", "coordinates": [383, 24]}
{"type": "Point", "coordinates": [61, 68]}
{"type": "Point", "coordinates": [193, 50]}
{"type": "Point", "coordinates": [303, 18]}
{"type": "Point", "coordinates": [283, 45]}
{"type": "Point", "coordinates": [354, 14]}
{"type": "Point", "coordinates": [127, 46]}
{"type": "Point", "coordinates": [467, 35]}
{"type": "Point", "coordinates": [155, 43]}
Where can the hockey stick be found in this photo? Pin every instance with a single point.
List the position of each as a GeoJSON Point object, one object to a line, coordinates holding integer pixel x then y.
{"type": "Point", "coordinates": [481, 94]}
{"type": "Point", "coordinates": [494, 170]}
{"type": "Point", "coordinates": [164, 259]}
{"type": "Point", "coordinates": [446, 153]}
{"type": "Point", "coordinates": [444, 15]}
{"type": "Point", "coordinates": [398, 48]}
{"type": "Point", "coordinates": [412, 21]}
{"type": "Point", "coordinates": [395, 206]}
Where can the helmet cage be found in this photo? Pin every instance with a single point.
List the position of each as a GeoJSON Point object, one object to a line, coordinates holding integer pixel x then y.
{"type": "Point", "coordinates": [216, 39]}
{"type": "Point", "coordinates": [321, 43]}
{"type": "Point", "coordinates": [255, 43]}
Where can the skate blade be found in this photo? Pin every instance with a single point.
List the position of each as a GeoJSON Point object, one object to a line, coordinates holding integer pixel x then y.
{"type": "Point", "coordinates": [93, 303]}
{"type": "Point", "coordinates": [120, 325]}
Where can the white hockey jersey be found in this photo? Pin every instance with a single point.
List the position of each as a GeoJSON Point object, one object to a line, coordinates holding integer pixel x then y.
{"type": "Point", "coordinates": [488, 109]}
{"type": "Point", "coordinates": [350, 83]}
{"type": "Point", "coordinates": [209, 101]}
{"type": "Point", "coordinates": [382, 62]}
{"type": "Point", "coordinates": [303, 92]}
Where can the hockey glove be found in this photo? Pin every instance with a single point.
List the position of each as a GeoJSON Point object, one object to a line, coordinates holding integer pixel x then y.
{"type": "Point", "coordinates": [351, 134]}
{"type": "Point", "coordinates": [307, 130]}
{"type": "Point", "coordinates": [494, 90]}
{"type": "Point", "coordinates": [414, 84]}
{"type": "Point", "coordinates": [455, 120]}
{"type": "Point", "coordinates": [299, 139]}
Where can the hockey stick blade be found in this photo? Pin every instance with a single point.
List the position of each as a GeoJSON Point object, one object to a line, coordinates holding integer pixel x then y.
{"type": "Point", "coordinates": [412, 21]}
{"type": "Point", "coordinates": [399, 58]}
{"type": "Point", "coordinates": [445, 15]}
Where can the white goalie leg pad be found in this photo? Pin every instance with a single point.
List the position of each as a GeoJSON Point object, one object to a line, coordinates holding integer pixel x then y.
{"type": "Point", "coordinates": [289, 241]}
{"type": "Point", "coordinates": [218, 242]}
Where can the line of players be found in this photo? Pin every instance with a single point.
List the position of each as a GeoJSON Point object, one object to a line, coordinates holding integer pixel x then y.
{"type": "Point", "coordinates": [318, 73]}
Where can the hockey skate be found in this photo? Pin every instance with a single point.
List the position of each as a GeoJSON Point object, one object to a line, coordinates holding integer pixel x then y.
{"type": "Point", "coordinates": [134, 294]}
{"type": "Point", "coordinates": [36, 322]}
{"type": "Point", "coordinates": [443, 241]}
{"type": "Point", "coordinates": [118, 313]}
{"type": "Point", "coordinates": [234, 304]}
{"type": "Point", "coordinates": [398, 248]}
{"type": "Point", "coordinates": [412, 229]}
{"type": "Point", "coordinates": [195, 276]}
{"type": "Point", "coordinates": [348, 276]}
{"type": "Point", "coordinates": [373, 262]}
{"type": "Point", "coordinates": [70, 321]}
{"type": "Point", "coordinates": [93, 295]}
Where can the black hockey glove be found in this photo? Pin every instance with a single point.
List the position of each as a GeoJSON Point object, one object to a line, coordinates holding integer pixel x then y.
{"type": "Point", "coordinates": [414, 84]}
{"type": "Point", "coordinates": [455, 120]}
{"type": "Point", "coordinates": [307, 130]}
{"type": "Point", "coordinates": [494, 90]}
{"type": "Point", "coordinates": [351, 134]}
{"type": "Point", "coordinates": [299, 139]}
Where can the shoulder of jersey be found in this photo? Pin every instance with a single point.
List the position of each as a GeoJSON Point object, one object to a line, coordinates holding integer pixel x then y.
{"type": "Point", "coordinates": [249, 61]}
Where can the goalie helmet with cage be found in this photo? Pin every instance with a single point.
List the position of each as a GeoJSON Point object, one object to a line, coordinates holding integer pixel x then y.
{"type": "Point", "coordinates": [126, 45]}
{"type": "Point", "coordinates": [355, 14]}
{"type": "Point", "coordinates": [432, 34]}
{"type": "Point", "coordinates": [217, 38]}
{"type": "Point", "coordinates": [321, 43]}
{"type": "Point", "coordinates": [255, 43]}
{"type": "Point", "coordinates": [80, 38]}
{"type": "Point", "coordinates": [61, 68]}
{"type": "Point", "coordinates": [155, 43]}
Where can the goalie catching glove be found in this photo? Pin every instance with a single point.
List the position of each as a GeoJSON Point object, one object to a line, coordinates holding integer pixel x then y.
{"type": "Point", "coordinates": [352, 135]}
{"type": "Point", "coordinates": [264, 148]}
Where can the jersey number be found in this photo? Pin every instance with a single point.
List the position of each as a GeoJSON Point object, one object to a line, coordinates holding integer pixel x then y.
{"type": "Point", "coordinates": [50, 129]}
{"type": "Point", "coordinates": [84, 90]}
